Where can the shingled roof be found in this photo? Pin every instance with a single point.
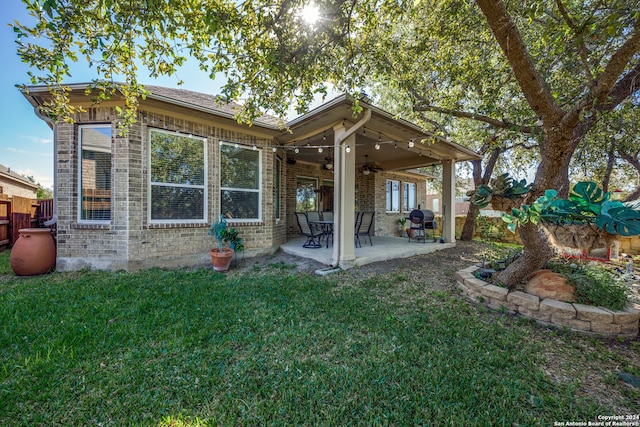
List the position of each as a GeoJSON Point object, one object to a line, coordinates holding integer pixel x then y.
{"type": "Point", "coordinates": [208, 103]}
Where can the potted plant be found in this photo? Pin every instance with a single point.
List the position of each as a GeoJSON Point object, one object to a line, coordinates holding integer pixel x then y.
{"type": "Point", "coordinates": [503, 193]}
{"type": "Point", "coordinates": [221, 256]}
{"type": "Point", "coordinates": [403, 225]}
{"type": "Point", "coordinates": [587, 219]}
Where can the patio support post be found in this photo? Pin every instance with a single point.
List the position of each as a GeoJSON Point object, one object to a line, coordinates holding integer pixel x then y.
{"type": "Point", "coordinates": [449, 201]}
{"type": "Point", "coordinates": [344, 198]}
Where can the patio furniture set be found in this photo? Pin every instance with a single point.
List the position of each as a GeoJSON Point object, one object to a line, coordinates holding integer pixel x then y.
{"type": "Point", "coordinates": [318, 227]}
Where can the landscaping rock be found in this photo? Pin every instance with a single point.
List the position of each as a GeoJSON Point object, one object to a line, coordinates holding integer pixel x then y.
{"type": "Point", "coordinates": [547, 284]}
{"type": "Point", "coordinates": [605, 328]}
{"type": "Point", "coordinates": [579, 325]}
{"type": "Point", "coordinates": [522, 299]}
{"type": "Point", "coordinates": [495, 292]}
{"type": "Point", "coordinates": [591, 313]}
{"type": "Point", "coordinates": [534, 314]}
{"type": "Point", "coordinates": [557, 309]}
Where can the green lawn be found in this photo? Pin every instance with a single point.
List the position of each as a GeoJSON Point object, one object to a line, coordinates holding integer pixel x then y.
{"type": "Point", "coordinates": [273, 346]}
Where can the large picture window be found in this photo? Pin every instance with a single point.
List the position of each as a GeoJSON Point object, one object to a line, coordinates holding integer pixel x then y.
{"type": "Point", "coordinates": [177, 177]}
{"type": "Point", "coordinates": [240, 183]}
{"type": "Point", "coordinates": [409, 196]}
{"type": "Point", "coordinates": [393, 196]}
{"type": "Point", "coordinates": [94, 177]}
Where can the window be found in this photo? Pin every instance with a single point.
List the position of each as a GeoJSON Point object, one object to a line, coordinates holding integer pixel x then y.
{"type": "Point", "coordinates": [409, 197]}
{"type": "Point", "coordinates": [393, 196]}
{"type": "Point", "coordinates": [278, 185]}
{"type": "Point", "coordinates": [94, 174]}
{"type": "Point", "coordinates": [436, 205]}
{"type": "Point", "coordinates": [306, 194]}
{"type": "Point", "coordinates": [240, 183]}
{"type": "Point", "coordinates": [177, 177]}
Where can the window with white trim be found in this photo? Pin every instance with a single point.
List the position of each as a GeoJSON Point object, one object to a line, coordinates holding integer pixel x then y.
{"type": "Point", "coordinates": [94, 174]}
{"type": "Point", "coordinates": [177, 177]}
{"type": "Point", "coordinates": [278, 186]}
{"type": "Point", "coordinates": [240, 183]}
{"type": "Point", "coordinates": [393, 196]}
{"type": "Point", "coordinates": [409, 196]}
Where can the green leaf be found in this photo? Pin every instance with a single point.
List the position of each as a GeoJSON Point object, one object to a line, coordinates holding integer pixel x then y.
{"type": "Point", "coordinates": [616, 218]}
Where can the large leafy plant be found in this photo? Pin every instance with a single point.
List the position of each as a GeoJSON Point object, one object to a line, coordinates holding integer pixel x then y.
{"type": "Point", "coordinates": [586, 204]}
{"type": "Point", "coordinates": [501, 186]}
{"type": "Point", "coordinates": [223, 234]}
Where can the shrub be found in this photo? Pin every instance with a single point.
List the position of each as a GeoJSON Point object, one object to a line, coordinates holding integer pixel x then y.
{"type": "Point", "coordinates": [597, 286]}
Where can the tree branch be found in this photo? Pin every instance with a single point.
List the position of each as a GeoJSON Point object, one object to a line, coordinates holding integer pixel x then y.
{"type": "Point", "coordinates": [582, 48]}
{"type": "Point", "coordinates": [474, 116]}
{"type": "Point", "coordinates": [534, 87]}
{"type": "Point", "coordinates": [615, 68]}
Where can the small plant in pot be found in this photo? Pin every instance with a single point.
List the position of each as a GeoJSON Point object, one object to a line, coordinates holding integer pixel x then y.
{"type": "Point", "coordinates": [222, 255]}
{"type": "Point", "coordinates": [402, 222]}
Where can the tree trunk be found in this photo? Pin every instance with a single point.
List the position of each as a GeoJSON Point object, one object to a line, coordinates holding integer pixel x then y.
{"type": "Point", "coordinates": [479, 178]}
{"type": "Point", "coordinates": [611, 159]}
{"type": "Point", "coordinates": [537, 251]}
{"type": "Point", "coordinates": [469, 228]}
{"type": "Point", "coordinates": [552, 173]}
{"type": "Point", "coordinates": [635, 162]}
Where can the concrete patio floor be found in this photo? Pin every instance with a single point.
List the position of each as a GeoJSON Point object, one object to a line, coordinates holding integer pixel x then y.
{"type": "Point", "coordinates": [383, 249]}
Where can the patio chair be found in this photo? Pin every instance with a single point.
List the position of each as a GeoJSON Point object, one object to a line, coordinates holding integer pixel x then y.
{"type": "Point", "coordinates": [364, 228]}
{"type": "Point", "coordinates": [315, 216]}
{"type": "Point", "coordinates": [312, 234]}
{"type": "Point", "coordinates": [327, 215]}
{"type": "Point", "coordinates": [356, 225]}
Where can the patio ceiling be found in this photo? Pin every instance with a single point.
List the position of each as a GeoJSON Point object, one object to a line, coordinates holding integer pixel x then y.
{"type": "Point", "coordinates": [315, 129]}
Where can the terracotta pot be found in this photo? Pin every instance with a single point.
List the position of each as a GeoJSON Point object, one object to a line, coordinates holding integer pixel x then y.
{"type": "Point", "coordinates": [34, 252]}
{"type": "Point", "coordinates": [221, 260]}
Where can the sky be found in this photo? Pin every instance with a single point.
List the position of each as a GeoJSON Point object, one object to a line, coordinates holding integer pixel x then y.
{"type": "Point", "coordinates": [26, 142]}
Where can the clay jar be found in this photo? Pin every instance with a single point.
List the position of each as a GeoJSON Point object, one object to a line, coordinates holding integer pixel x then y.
{"type": "Point", "coordinates": [34, 252]}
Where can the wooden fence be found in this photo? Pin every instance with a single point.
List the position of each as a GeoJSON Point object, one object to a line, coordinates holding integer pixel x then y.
{"type": "Point", "coordinates": [20, 212]}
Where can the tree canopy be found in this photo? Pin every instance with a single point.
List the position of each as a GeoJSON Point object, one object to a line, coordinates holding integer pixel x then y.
{"type": "Point", "coordinates": [548, 70]}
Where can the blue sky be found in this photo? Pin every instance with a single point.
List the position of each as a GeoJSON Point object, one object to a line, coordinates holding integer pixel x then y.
{"type": "Point", "coordinates": [26, 142]}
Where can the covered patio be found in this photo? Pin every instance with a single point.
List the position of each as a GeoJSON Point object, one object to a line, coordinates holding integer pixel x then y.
{"type": "Point", "coordinates": [361, 151]}
{"type": "Point", "coordinates": [383, 249]}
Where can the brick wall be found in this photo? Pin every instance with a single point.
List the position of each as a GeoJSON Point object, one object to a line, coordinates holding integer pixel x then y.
{"type": "Point", "coordinates": [129, 241]}
{"type": "Point", "coordinates": [387, 223]}
{"type": "Point", "coordinates": [13, 188]}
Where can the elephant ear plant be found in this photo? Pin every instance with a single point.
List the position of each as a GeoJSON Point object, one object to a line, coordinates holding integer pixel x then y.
{"type": "Point", "coordinates": [587, 204]}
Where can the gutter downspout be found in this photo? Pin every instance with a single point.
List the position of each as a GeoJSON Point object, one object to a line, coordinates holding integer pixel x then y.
{"type": "Point", "coordinates": [354, 128]}
{"type": "Point", "coordinates": [50, 122]}
{"type": "Point", "coordinates": [341, 195]}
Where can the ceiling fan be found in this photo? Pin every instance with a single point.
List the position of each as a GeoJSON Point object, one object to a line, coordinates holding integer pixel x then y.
{"type": "Point", "coordinates": [369, 167]}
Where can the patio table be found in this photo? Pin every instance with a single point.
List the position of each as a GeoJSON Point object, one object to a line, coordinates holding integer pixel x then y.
{"type": "Point", "coordinates": [327, 228]}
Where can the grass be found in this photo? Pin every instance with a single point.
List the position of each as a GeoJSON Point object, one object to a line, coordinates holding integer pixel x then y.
{"type": "Point", "coordinates": [276, 347]}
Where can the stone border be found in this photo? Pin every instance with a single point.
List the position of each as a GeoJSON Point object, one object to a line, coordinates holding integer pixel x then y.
{"type": "Point", "coordinates": [585, 319]}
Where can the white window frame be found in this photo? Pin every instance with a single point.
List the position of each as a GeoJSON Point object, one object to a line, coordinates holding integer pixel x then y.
{"type": "Point", "coordinates": [406, 203]}
{"type": "Point", "coordinates": [278, 183]}
{"type": "Point", "coordinates": [251, 190]}
{"type": "Point", "coordinates": [203, 220]}
{"type": "Point", "coordinates": [397, 204]}
{"type": "Point", "coordinates": [79, 180]}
